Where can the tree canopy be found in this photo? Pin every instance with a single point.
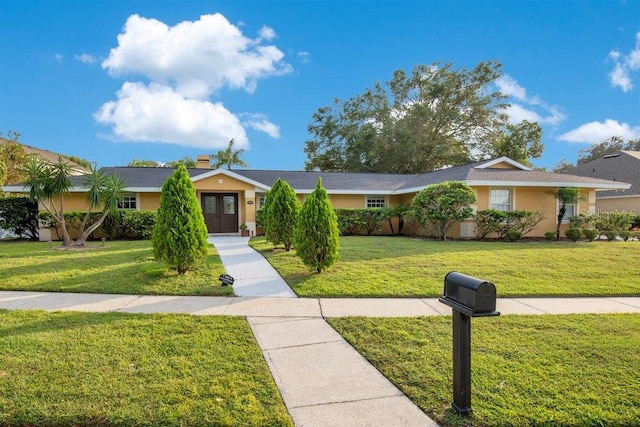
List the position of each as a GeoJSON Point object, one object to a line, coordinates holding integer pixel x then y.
{"type": "Point", "coordinates": [435, 117]}
{"type": "Point", "coordinates": [187, 162]}
{"type": "Point", "coordinates": [12, 156]}
{"type": "Point", "coordinates": [228, 157]}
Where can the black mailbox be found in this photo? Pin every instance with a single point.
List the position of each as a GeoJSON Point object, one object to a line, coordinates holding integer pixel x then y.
{"type": "Point", "coordinates": [471, 296]}
{"type": "Point", "coordinates": [468, 297]}
{"type": "Point", "coordinates": [226, 279]}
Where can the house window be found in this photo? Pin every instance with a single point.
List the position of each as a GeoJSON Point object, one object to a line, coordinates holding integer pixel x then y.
{"type": "Point", "coordinates": [500, 199]}
{"type": "Point", "coordinates": [129, 201]}
{"type": "Point", "coordinates": [570, 210]}
{"type": "Point", "coordinates": [376, 202]}
{"type": "Point", "coordinates": [260, 202]}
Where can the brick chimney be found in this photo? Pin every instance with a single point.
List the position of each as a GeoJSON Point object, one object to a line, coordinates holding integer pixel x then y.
{"type": "Point", "coordinates": [203, 162]}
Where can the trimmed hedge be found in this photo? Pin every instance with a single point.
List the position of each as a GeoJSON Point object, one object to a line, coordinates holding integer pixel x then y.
{"type": "Point", "coordinates": [506, 224]}
{"type": "Point", "coordinates": [359, 221]}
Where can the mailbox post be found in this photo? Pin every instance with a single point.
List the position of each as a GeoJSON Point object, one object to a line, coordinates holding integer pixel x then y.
{"type": "Point", "coordinates": [468, 297]}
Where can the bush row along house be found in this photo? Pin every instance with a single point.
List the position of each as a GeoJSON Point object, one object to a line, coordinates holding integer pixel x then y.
{"type": "Point", "coordinates": [230, 198]}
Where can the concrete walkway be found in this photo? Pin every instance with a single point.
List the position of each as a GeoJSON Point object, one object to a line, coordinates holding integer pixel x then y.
{"type": "Point", "coordinates": [322, 379]}
{"type": "Point", "coordinates": [254, 276]}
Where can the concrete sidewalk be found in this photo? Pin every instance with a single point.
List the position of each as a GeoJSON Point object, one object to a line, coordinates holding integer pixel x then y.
{"type": "Point", "coordinates": [299, 307]}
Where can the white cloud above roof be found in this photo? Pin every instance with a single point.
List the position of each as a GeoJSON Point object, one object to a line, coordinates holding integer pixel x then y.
{"type": "Point", "coordinates": [157, 113]}
{"type": "Point", "coordinates": [625, 66]}
{"type": "Point", "coordinates": [528, 108]}
{"type": "Point", "coordinates": [594, 132]}
{"type": "Point", "coordinates": [197, 57]}
{"type": "Point", "coordinates": [86, 58]}
{"type": "Point", "coordinates": [180, 70]}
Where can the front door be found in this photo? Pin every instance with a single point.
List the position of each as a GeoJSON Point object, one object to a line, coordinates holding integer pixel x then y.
{"type": "Point", "coordinates": [220, 212]}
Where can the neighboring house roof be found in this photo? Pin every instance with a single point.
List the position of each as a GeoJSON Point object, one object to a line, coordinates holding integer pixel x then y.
{"type": "Point", "coordinates": [623, 166]}
{"type": "Point", "coordinates": [49, 156]}
{"type": "Point", "coordinates": [483, 173]}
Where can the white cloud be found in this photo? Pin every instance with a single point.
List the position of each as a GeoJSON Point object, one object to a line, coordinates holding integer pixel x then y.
{"type": "Point", "coordinates": [85, 58]}
{"type": "Point", "coordinates": [267, 33]}
{"type": "Point", "coordinates": [58, 57]}
{"type": "Point", "coordinates": [186, 65]}
{"type": "Point", "coordinates": [196, 57]}
{"type": "Point", "coordinates": [157, 113]}
{"type": "Point", "coordinates": [510, 87]}
{"type": "Point", "coordinates": [532, 109]}
{"type": "Point", "coordinates": [260, 123]}
{"type": "Point", "coordinates": [624, 66]}
{"type": "Point", "coordinates": [593, 132]}
{"type": "Point", "coordinates": [305, 57]}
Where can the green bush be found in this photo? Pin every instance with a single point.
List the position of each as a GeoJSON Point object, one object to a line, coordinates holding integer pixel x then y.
{"type": "Point", "coordinates": [316, 234]}
{"type": "Point", "coordinates": [625, 234]}
{"type": "Point", "coordinates": [513, 235]}
{"type": "Point", "coordinates": [349, 221]}
{"type": "Point", "coordinates": [636, 222]}
{"type": "Point", "coordinates": [610, 235]}
{"type": "Point", "coordinates": [357, 221]}
{"type": "Point", "coordinates": [19, 215]}
{"type": "Point", "coordinates": [441, 205]}
{"type": "Point", "coordinates": [501, 222]}
{"type": "Point", "coordinates": [180, 234]}
{"type": "Point", "coordinates": [590, 234]}
{"type": "Point", "coordinates": [573, 233]}
{"type": "Point", "coordinates": [283, 215]}
{"type": "Point", "coordinates": [550, 235]}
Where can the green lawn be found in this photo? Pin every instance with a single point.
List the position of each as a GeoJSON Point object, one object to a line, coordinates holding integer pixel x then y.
{"type": "Point", "coordinates": [574, 370]}
{"type": "Point", "coordinates": [116, 369]}
{"type": "Point", "coordinates": [122, 267]}
{"type": "Point", "coordinates": [405, 267]}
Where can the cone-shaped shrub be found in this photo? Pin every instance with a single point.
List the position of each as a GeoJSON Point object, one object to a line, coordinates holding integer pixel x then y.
{"type": "Point", "coordinates": [267, 212]}
{"type": "Point", "coordinates": [180, 234]}
{"type": "Point", "coordinates": [316, 234]}
{"type": "Point", "coordinates": [283, 214]}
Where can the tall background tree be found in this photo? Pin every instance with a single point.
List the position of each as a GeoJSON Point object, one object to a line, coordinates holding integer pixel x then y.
{"type": "Point", "coordinates": [434, 117]}
{"type": "Point", "coordinates": [187, 162]}
{"type": "Point", "coordinates": [12, 157]}
{"type": "Point", "coordinates": [316, 235]}
{"type": "Point", "coordinates": [180, 234]}
{"type": "Point", "coordinates": [228, 157]}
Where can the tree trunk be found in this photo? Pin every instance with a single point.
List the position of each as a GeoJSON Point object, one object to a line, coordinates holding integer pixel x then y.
{"type": "Point", "coordinates": [86, 233]}
{"type": "Point", "coordinates": [563, 209]}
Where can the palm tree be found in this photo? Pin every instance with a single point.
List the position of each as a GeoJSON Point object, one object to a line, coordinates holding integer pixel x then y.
{"type": "Point", "coordinates": [48, 183]}
{"type": "Point", "coordinates": [228, 157]}
{"type": "Point", "coordinates": [566, 196]}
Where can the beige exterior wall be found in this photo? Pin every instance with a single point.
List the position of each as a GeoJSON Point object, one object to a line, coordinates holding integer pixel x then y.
{"type": "Point", "coordinates": [523, 198]}
{"type": "Point", "coordinates": [626, 204]}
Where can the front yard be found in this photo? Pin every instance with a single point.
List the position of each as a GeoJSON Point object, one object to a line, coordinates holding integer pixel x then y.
{"type": "Point", "coordinates": [573, 370]}
{"type": "Point", "coordinates": [116, 369]}
{"type": "Point", "coordinates": [121, 267]}
{"type": "Point", "coordinates": [405, 267]}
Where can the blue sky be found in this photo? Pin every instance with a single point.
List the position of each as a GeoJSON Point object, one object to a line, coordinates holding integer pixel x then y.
{"type": "Point", "coordinates": [115, 80]}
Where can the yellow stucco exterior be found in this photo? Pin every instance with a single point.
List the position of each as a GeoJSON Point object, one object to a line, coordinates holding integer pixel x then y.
{"type": "Point", "coordinates": [250, 196]}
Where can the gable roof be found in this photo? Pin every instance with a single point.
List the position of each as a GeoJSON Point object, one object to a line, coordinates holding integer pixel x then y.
{"type": "Point", "coordinates": [482, 173]}
{"type": "Point", "coordinates": [622, 166]}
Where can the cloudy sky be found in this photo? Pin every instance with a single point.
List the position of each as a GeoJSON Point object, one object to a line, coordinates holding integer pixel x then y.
{"type": "Point", "coordinates": [160, 80]}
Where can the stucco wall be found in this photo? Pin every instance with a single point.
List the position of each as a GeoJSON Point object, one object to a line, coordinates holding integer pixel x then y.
{"type": "Point", "coordinates": [627, 204]}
